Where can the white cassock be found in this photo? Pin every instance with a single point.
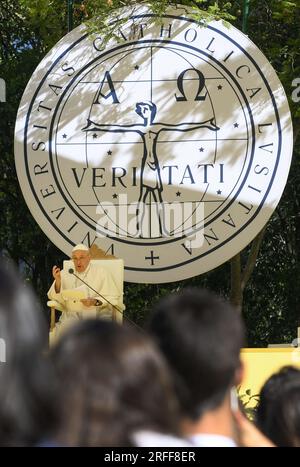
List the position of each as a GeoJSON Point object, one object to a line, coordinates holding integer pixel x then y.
{"type": "Point", "coordinates": [100, 280]}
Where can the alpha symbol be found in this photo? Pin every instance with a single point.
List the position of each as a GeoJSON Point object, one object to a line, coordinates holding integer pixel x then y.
{"type": "Point", "coordinates": [107, 81]}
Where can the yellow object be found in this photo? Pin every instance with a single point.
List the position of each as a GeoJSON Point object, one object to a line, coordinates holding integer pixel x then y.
{"type": "Point", "coordinates": [260, 364]}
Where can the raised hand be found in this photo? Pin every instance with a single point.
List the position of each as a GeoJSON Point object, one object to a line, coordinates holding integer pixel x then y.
{"type": "Point", "coordinates": [249, 435]}
{"type": "Point", "coordinates": [57, 277]}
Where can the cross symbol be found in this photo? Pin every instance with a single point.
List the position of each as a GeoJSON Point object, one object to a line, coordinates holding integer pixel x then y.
{"type": "Point", "coordinates": [152, 257]}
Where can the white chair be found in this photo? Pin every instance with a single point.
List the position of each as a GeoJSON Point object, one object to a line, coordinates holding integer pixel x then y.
{"type": "Point", "coordinates": [116, 269]}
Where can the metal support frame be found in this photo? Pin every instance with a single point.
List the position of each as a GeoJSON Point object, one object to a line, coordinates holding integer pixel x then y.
{"type": "Point", "coordinates": [246, 8]}
{"type": "Point", "coordinates": [70, 5]}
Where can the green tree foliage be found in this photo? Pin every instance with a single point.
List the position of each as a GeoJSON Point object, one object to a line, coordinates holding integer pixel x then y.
{"type": "Point", "coordinates": [29, 28]}
{"type": "Point", "coordinates": [24, 42]}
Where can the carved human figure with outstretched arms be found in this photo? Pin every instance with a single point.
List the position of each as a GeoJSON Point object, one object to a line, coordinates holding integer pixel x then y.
{"type": "Point", "coordinates": [150, 179]}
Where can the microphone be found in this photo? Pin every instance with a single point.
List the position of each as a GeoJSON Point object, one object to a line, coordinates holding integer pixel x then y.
{"type": "Point", "coordinates": [71, 271]}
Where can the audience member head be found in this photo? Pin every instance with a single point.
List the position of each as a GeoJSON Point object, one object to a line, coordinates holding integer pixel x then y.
{"type": "Point", "coordinates": [26, 410]}
{"type": "Point", "coordinates": [114, 383]}
{"type": "Point", "coordinates": [200, 335]}
{"type": "Point", "coordinates": [278, 412]}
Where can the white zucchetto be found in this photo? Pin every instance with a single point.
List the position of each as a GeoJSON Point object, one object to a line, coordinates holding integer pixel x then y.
{"type": "Point", "coordinates": [81, 247]}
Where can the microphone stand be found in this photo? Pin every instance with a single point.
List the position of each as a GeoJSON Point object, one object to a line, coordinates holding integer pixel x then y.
{"type": "Point", "coordinates": [71, 271]}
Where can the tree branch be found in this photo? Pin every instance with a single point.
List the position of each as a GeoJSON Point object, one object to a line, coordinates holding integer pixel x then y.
{"type": "Point", "coordinates": [252, 258]}
{"type": "Point", "coordinates": [296, 129]}
{"type": "Point", "coordinates": [236, 291]}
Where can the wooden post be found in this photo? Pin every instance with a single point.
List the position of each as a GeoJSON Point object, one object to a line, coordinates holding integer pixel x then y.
{"type": "Point", "coordinates": [52, 318]}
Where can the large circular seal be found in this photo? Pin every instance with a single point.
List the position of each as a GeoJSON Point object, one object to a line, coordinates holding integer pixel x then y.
{"type": "Point", "coordinates": [169, 147]}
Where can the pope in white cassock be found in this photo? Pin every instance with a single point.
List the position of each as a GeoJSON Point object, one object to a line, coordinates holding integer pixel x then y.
{"type": "Point", "coordinates": [92, 305]}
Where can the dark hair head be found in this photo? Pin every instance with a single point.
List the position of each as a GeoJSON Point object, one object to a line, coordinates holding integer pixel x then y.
{"type": "Point", "coordinates": [114, 383]}
{"type": "Point", "coordinates": [200, 336]}
{"type": "Point", "coordinates": [26, 410]}
{"type": "Point", "coordinates": [278, 412]}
